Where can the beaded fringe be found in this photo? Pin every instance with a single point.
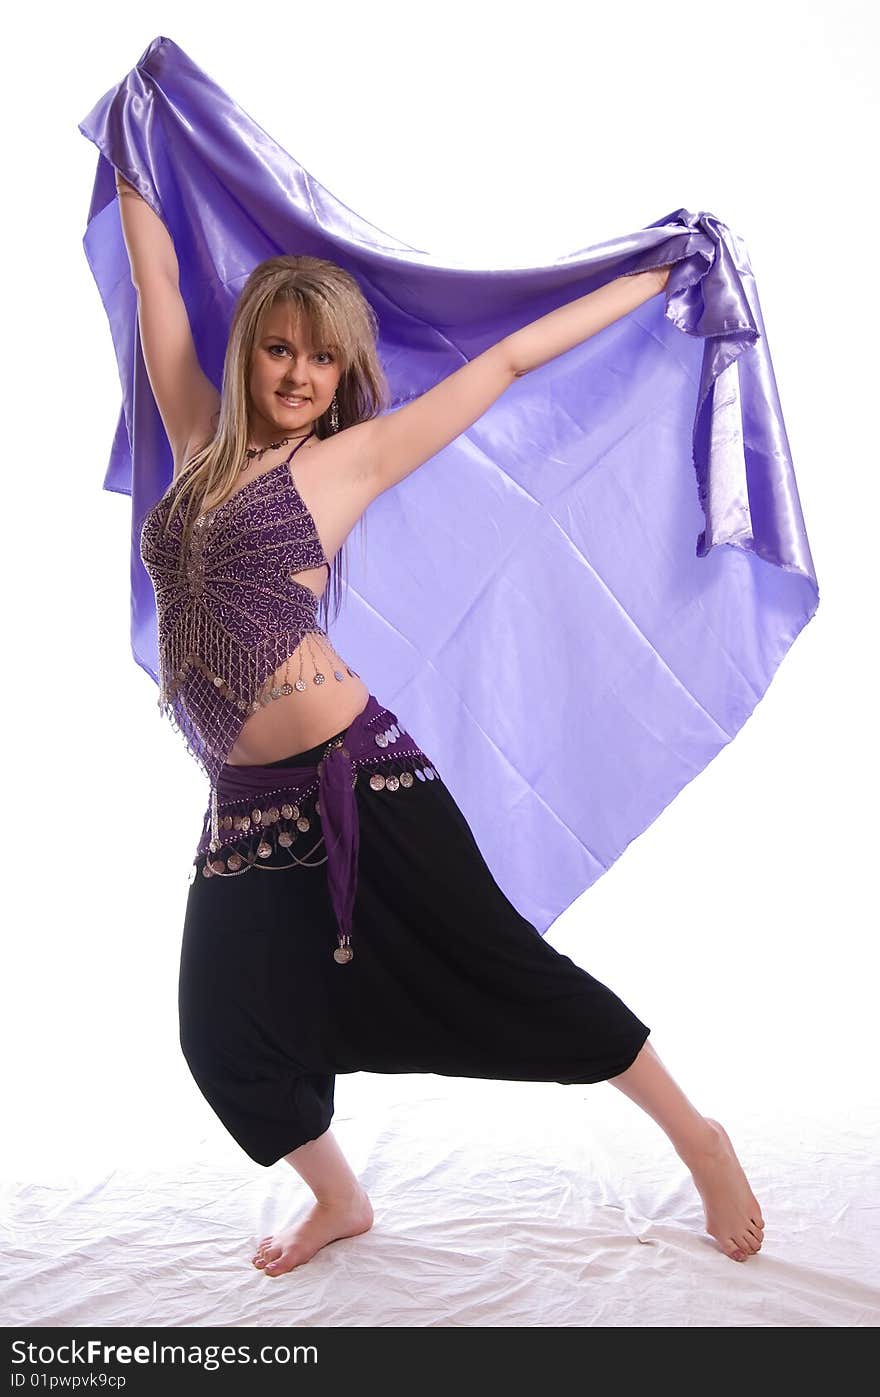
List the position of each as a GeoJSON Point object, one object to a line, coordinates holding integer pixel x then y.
{"type": "Point", "coordinates": [211, 677]}
{"type": "Point", "coordinates": [205, 750]}
{"type": "Point", "coordinates": [233, 635]}
{"type": "Point", "coordinates": [230, 679]}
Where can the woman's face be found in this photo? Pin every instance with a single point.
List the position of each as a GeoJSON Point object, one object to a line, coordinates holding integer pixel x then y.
{"type": "Point", "coordinates": [286, 365]}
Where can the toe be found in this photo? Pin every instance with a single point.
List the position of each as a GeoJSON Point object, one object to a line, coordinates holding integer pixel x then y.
{"type": "Point", "coordinates": [259, 1256]}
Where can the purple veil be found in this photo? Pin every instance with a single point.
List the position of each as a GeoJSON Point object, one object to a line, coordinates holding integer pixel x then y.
{"type": "Point", "coordinates": [544, 603]}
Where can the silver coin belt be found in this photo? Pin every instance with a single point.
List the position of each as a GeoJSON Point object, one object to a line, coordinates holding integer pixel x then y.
{"type": "Point", "coordinates": [280, 832]}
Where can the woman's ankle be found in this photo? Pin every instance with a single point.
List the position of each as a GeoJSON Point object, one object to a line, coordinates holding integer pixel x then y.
{"type": "Point", "coordinates": [705, 1140]}
{"type": "Point", "coordinates": [347, 1199]}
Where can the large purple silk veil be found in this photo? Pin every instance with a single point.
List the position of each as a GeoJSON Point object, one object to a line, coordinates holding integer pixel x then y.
{"type": "Point", "coordinates": [544, 604]}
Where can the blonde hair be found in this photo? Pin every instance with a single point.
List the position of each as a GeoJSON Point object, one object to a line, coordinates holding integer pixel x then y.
{"type": "Point", "coordinates": [339, 319]}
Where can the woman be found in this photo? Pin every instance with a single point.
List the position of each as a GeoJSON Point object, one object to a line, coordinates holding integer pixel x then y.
{"type": "Point", "coordinates": [444, 975]}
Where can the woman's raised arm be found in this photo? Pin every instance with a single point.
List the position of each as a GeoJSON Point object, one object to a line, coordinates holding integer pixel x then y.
{"type": "Point", "coordinates": [561, 329]}
{"type": "Point", "coordinates": [186, 398]}
{"type": "Point", "coordinates": [149, 243]}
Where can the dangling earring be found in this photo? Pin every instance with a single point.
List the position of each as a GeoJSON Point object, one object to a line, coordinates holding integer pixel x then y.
{"type": "Point", "coordinates": [334, 415]}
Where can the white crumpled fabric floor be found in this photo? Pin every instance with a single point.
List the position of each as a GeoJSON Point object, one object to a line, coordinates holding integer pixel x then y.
{"type": "Point", "coordinates": [496, 1203]}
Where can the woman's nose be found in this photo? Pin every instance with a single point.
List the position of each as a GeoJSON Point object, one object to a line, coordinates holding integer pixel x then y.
{"type": "Point", "coordinates": [298, 372]}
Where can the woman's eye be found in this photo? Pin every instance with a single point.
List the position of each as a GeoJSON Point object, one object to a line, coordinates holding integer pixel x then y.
{"type": "Point", "coordinates": [322, 354]}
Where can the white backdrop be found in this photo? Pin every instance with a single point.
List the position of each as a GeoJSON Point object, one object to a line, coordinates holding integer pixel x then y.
{"type": "Point", "coordinates": [742, 925]}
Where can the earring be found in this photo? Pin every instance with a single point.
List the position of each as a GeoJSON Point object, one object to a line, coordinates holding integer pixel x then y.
{"type": "Point", "coordinates": [334, 415]}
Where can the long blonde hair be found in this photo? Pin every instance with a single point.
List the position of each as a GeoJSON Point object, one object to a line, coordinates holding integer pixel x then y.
{"type": "Point", "coordinates": [339, 319]}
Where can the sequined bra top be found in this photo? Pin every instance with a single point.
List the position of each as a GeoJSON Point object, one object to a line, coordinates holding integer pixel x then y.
{"type": "Point", "coordinates": [235, 613]}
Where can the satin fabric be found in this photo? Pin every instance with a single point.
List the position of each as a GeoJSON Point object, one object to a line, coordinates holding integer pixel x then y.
{"type": "Point", "coordinates": [615, 551]}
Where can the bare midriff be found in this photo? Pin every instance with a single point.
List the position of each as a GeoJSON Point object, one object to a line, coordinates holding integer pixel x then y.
{"type": "Point", "coordinates": [294, 722]}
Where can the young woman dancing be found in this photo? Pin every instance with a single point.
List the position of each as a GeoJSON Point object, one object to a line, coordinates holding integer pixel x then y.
{"type": "Point", "coordinates": [400, 953]}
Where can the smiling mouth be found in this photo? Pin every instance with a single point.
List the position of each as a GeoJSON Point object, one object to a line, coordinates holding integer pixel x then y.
{"type": "Point", "coordinates": [292, 399]}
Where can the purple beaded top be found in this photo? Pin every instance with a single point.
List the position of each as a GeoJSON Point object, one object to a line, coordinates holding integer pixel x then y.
{"type": "Point", "coordinates": [236, 612]}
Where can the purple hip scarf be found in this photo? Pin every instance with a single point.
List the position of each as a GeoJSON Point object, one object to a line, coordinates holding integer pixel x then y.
{"type": "Point", "coordinates": [256, 812]}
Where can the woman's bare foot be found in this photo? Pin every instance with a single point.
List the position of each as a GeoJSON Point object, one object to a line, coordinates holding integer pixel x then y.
{"type": "Point", "coordinates": [325, 1222]}
{"type": "Point", "coordinates": [733, 1216]}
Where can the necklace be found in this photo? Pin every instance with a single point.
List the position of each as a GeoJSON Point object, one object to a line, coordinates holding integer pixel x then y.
{"type": "Point", "coordinates": [254, 452]}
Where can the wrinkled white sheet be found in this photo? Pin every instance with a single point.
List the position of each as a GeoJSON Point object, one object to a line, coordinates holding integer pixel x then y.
{"type": "Point", "coordinates": [496, 1203]}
